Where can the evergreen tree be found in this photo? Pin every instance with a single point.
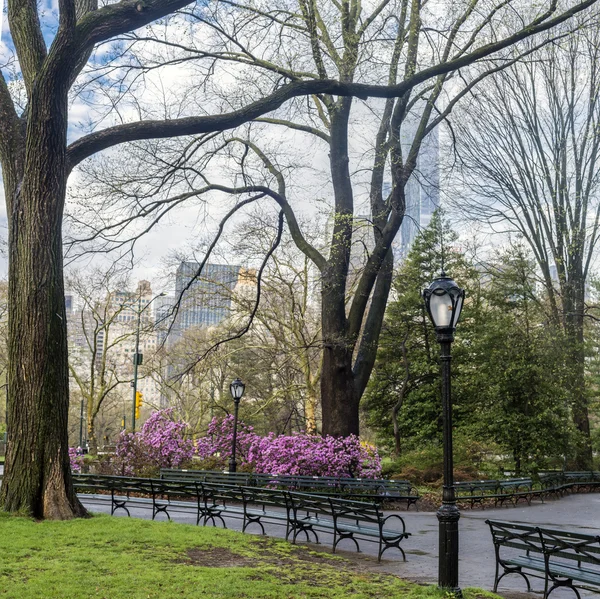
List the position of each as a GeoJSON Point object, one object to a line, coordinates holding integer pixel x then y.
{"type": "Point", "coordinates": [508, 363]}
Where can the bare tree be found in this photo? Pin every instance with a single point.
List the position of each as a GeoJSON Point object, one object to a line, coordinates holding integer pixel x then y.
{"type": "Point", "coordinates": [99, 329]}
{"type": "Point", "coordinates": [529, 153]}
{"type": "Point", "coordinates": [286, 325]}
{"type": "Point", "coordinates": [36, 161]}
{"type": "Point", "coordinates": [260, 44]}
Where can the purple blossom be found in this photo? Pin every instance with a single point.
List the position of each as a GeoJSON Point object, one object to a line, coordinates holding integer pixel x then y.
{"type": "Point", "coordinates": [76, 458]}
{"type": "Point", "coordinates": [161, 443]}
{"type": "Point", "coordinates": [299, 453]}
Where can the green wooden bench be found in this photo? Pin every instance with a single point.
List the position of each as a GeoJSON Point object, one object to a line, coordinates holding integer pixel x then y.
{"type": "Point", "coordinates": [351, 488]}
{"type": "Point", "coordinates": [345, 519]}
{"type": "Point", "coordinates": [560, 558]}
{"type": "Point", "coordinates": [510, 490]}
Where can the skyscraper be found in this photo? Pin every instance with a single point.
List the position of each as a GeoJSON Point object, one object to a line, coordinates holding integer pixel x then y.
{"type": "Point", "coordinates": [205, 300]}
{"type": "Point", "coordinates": [422, 189]}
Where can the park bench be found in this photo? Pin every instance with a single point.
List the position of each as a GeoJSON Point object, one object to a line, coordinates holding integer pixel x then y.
{"type": "Point", "coordinates": [381, 489]}
{"type": "Point", "coordinates": [122, 490]}
{"type": "Point", "coordinates": [560, 558]}
{"type": "Point", "coordinates": [254, 505]}
{"type": "Point", "coordinates": [499, 491]}
{"type": "Point", "coordinates": [352, 488]}
{"type": "Point", "coordinates": [299, 512]}
{"type": "Point", "coordinates": [214, 476]}
{"type": "Point", "coordinates": [476, 491]}
{"type": "Point", "coordinates": [302, 483]}
{"type": "Point", "coordinates": [551, 483]}
{"type": "Point", "coordinates": [581, 480]}
{"type": "Point", "coordinates": [558, 483]}
{"type": "Point", "coordinates": [346, 519]}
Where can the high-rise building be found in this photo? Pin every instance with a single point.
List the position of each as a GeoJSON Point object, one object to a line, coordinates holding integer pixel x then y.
{"type": "Point", "coordinates": [422, 189]}
{"type": "Point", "coordinates": [206, 299]}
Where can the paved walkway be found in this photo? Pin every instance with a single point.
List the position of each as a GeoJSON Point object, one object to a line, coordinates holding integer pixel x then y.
{"type": "Point", "coordinates": [477, 563]}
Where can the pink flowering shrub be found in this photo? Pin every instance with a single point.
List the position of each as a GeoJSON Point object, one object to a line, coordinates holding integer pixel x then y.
{"type": "Point", "coordinates": [76, 459]}
{"type": "Point", "coordinates": [299, 454]}
{"type": "Point", "coordinates": [161, 443]}
{"type": "Point", "coordinates": [219, 439]}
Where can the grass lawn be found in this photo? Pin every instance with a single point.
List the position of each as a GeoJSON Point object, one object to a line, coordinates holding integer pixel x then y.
{"type": "Point", "coordinates": [125, 558]}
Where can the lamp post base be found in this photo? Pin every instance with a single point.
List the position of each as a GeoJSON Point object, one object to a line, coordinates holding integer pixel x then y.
{"type": "Point", "coordinates": [232, 466]}
{"type": "Point", "coordinates": [448, 516]}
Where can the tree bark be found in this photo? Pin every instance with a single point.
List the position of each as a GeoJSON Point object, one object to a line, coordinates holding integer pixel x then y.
{"type": "Point", "coordinates": [37, 479]}
{"type": "Point", "coordinates": [338, 398]}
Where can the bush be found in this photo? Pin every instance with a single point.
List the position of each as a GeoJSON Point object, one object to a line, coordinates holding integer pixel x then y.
{"type": "Point", "coordinates": [424, 466]}
{"type": "Point", "coordinates": [299, 454]}
{"type": "Point", "coordinates": [76, 458]}
{"type": "Point", "coordinates": [161, 443]}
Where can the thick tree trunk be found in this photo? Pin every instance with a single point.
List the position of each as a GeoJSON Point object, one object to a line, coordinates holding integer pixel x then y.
{"type": "Point", "coordinates": [338, 397]}
{"type": "Point", "coordinates": [37, 476]}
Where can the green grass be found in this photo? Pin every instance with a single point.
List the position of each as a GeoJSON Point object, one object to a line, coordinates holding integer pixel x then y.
{"type": "Point", "coordinates": [122, 558]}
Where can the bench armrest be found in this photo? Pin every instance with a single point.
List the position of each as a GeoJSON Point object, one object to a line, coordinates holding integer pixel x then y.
{"type": "Point", "coordinates": [399, 518]}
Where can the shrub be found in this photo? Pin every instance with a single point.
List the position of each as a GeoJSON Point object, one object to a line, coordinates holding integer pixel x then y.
{"type": "Point", "coordinates": [217, 443]}
{"type": "Point", "coordinates": [299, 453]}
{"type": "Point", "coordinates": [76, 459]}
{"type": "Point", "coordinates": [161, 443]}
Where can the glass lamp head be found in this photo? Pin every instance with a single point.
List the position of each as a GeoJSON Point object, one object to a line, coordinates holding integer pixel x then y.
{"type": "Point", "coordinates": [237, 389]}
{"type": "Point", "coordinates": [444, 302]}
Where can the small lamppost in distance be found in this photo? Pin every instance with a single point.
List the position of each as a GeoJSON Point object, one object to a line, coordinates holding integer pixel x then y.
{"type": "Point", "coordinates": [237, 391]}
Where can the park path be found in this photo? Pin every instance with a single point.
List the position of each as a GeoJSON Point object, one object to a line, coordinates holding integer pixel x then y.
{"type": "Point", "coordinates": [477, 562]}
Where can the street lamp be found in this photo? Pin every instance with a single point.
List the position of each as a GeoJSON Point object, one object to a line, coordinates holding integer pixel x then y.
{"type": "Point", "coordinates": [81, 425]}
{"type": "Point", "coordinates": [444, 301]}
{"type": "Point", "coordinates": [137, 357]}
{"type": "Point", "coordinates": [237, 390]}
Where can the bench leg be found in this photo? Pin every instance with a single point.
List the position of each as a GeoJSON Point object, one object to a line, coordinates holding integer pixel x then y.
{"type": "Point", "coordinates": [157, 508]}
{"type": "Point", "coordinates": [561, 583]}
{"type": "Point", "coordinates": [345, 535]}
{"type": "Point", "coordinates": [516, 570]}
{"type": "Point", "coordinates": [382, 549]}
{"type": "Point", "coordinates": [252, 520]}
{"type": "Point", "coordinates": [119, 505]}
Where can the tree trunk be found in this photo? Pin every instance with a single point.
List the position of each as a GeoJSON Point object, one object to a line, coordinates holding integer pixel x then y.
{"type": "Point", "coordinates": [37, 478]}
{"type": "Point", "coordinates": [582, 458]}
{"type": "Point", "coordinates": [310, 409]}
{"type": "Point", "coordinates": [338, 397]}
{"type": "Point", "coordinates": [92, 439]}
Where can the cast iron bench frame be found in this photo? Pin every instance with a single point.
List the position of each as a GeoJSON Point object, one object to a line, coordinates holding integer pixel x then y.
{"type": "Point", "coordinates": [558, 549]}
{"type": "Point", "coordinates": [346, 519]}
{"type": "Point", "coordinates": [371, 489]}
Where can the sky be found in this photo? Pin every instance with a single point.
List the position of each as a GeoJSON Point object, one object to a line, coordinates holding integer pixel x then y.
{"type": "Point", "coordinates": [178, 233]}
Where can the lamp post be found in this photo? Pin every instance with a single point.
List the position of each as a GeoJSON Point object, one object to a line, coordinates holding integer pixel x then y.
{"type": "Point", "coordinates": [137, 357]}
{"type": "Point", "coordinates": [444, 301]}
{"type": "Point", "coordinates": [81, 425]}
{"type": "Point", "coordinates": [237, 390]}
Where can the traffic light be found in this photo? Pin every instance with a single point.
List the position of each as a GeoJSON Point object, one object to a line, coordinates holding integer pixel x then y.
{"type": "Point", "coordinates": [139, 400]}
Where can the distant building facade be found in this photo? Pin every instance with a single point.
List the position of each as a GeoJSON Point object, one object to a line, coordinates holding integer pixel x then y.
{"type": "Point", "coordinates": [205, 300]}
{"type": "Point", "coordinates": [422, 190]}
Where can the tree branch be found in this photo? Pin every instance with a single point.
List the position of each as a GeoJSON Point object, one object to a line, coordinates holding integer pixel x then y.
{"type": "Point", "coordinates": [125, 16]}
{"type": "Point", "coordinates": [26, 33]}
